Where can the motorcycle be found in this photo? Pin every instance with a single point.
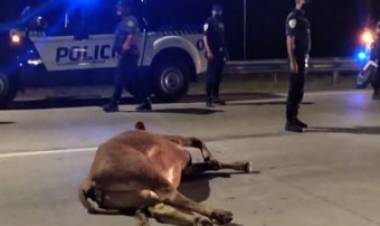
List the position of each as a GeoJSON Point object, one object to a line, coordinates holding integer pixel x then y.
{"type": "Point", "coordinates": [368, 55]}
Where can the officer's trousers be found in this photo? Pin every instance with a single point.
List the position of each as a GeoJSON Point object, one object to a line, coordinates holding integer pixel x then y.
{"type": "Point", "coordinates": [214, 76]}
{"type": "Point", "coordinates": [296, 91]}
{"type": "Point", "coordinates": [127, 77]}
{"type": "Point", "coordinates": [376, 82]}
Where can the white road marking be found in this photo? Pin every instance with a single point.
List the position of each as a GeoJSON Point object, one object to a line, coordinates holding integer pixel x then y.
{"type": "Point", "coordinates": [93, 149]}
{"type": "Point", "coordinates": [48, 152]}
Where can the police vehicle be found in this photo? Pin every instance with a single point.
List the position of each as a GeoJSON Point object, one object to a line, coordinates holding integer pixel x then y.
{"type": "Point", "coordinates": [69, 42]}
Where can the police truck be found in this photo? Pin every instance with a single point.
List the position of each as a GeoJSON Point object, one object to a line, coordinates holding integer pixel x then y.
{"type": "Point", "coordinates": [67, 42]}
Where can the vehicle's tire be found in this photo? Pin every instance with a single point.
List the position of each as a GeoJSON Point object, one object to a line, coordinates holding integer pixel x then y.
{"type": "Point", "coordinates": [8, 90]}
{"type": "Point", "coordinates": [365, 76]}
{"type": "Point", "coordinates": [172, 79]}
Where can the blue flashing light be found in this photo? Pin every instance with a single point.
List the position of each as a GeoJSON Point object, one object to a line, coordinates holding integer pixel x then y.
{"type": "Point", "coordinates": [362, 55]}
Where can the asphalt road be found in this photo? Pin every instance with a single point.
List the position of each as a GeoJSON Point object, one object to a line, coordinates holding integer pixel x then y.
{"type": "Point", "coordinates": [326, 176]}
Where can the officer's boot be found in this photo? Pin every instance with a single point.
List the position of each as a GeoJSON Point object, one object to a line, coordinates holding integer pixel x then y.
{"type": "Point", "coordinates": [111, 107]}
{"type": "Point", "coordinates": [210, 102]}
{"type": "Point", "coordinates": [291, 124]}
{"type": "Point", "coordinates": [219, 101]}
{"type": "Point", "coordinates": [301, 124]}
{"type": "Point", "coordinates": [376, 95]}
{"type": "Point", "coordinates": [145, 106]}
{"type": "Point", "coordinates": [293, 127]}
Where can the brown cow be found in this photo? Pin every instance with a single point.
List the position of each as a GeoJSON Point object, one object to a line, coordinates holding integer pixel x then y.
{"type": "Point", "coordinates": [139, 172]}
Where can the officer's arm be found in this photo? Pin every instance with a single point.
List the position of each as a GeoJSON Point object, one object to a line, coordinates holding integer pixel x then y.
{"type": "Point", "coordinates": [129, 41]}
{"type": "Point", "coordinates": [132, 27]}
{"type": "Point", "coordinates": [291, 44]}
{"type": "Point", "coordinates": [207, 46]}
{"type": "Point", "coordinates": [207, 30]}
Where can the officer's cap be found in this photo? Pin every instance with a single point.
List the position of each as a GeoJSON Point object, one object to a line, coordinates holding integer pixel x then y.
{"type": "Point", "coordinates": [217, 7]}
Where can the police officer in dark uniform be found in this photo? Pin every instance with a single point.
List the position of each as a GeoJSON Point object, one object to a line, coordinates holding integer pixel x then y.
{"type": "Point", "coordinates": [298, 45]}
{"type": "Point", "coordinates": [126, 46]}
{"type": "Point", "coordinates": [215, 44]}
{"type": "Point", "coordinates": [375, 56]}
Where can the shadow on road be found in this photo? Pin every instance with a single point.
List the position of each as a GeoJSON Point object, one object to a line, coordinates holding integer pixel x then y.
{"type": "Point", "coordinates": [190, 111]}
{"type": "Point", "coordinates": [355, 130]}
{"type": "Point", "coordinates": [51, 103]}
{"type": "Point", "coordinates": [198, 187]}
{"type": "Point", "coordinates": [264, 103]}
{"type": "Point", "coordinates": [6, 123]}
{"type": "Point", "coordinates": [72, 102]}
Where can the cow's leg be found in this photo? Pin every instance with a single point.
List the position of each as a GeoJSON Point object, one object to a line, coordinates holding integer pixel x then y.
{"type": "Point", "coordinates": [214, 165]}
{"type": "Point", "coordinates": [170, 215]}
{"type": "Point", "coordinates": [194, 143]}
{"type": "Point", "coordinates": [172, 197]}
{"type": "Point", "coordinates": [142, 218]}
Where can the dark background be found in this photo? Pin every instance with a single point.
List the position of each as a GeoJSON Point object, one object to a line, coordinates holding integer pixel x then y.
{"type": "Point", "coordinates": [336, 24]}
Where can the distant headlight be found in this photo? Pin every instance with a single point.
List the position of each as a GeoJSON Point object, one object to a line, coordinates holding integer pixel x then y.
{"type": "Point", "coordinates": [16, 37]}
{"type": "Point", "coordinates": [367, 38]}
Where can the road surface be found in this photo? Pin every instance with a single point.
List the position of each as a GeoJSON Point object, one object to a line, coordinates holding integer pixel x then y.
{"type": "Point", "coordinates": [326, 176]}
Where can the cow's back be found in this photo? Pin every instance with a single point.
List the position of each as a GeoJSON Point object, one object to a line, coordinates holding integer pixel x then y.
{"type": "Point", "coordinates": [138, 159]}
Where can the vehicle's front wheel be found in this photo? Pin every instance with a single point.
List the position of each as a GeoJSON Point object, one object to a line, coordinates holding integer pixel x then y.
{"type": "Point", "coordinates": [172, 80]}
{"type": "Point", "coordinates": [366, 75]}
{"type": "Point", "coordinates": [8, 90]}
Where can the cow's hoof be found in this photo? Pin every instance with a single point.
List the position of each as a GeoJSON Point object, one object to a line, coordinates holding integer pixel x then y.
{"type": "Point", "coordinates": [248, 167]}
{"type": "Point", "coordinates": [222, 216]}
{"type": "Point", "coordinates": [203, 222]}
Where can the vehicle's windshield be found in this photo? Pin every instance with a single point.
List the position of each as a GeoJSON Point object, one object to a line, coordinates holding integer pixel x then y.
{"type": "Point", "coordinates": [64, 17]}
{"type": "Point", "coordinates": [70, 17]}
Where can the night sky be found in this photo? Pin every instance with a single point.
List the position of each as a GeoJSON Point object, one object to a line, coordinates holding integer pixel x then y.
{"type": "Point", "coordinates": [335, 23]}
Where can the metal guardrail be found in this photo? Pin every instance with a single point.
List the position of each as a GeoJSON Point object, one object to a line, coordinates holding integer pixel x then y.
{"type": "Point", "coordinates": [334, 65]}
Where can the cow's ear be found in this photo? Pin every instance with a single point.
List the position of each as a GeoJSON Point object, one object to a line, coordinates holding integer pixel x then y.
{"type": "Point", "coordinates": [140, 126]}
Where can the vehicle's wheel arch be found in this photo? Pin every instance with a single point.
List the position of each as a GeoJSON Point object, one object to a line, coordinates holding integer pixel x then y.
{"type": "Point", "coordinates": [175, 53]}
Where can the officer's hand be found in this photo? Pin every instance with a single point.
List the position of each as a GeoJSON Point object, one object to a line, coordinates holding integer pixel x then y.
{"type": "Point", "coordinates": [293, 67]}
{"type": "Point", "coordinates": [126, 47]}
{"type": "Point", "coordinates": [210, 55]}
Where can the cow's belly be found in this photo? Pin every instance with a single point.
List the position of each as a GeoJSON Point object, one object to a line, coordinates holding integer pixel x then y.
{"type": "Point", "coordinates": [133, 199]}
{"type": "Point", "coordinates": [169, 161]}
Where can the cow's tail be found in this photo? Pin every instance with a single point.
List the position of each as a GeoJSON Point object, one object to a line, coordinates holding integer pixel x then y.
{"type": "Point", "coordinates": [87, 187]}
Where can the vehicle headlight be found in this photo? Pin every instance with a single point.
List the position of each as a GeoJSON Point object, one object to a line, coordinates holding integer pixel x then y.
{"type": "Point", "coordinates": [16, 37]}
{"type": "Point", "coordinates": [367, 38]}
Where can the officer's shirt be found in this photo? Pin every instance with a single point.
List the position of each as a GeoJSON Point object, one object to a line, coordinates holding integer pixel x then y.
{"type": "Point", "coordinates": [214, 31]}
{"type": "Point", "coordinates": [298, 26]}
{"type": "Point", "coordinates": [128, 26]}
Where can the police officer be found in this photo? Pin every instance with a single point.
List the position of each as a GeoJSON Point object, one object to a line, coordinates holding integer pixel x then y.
{"type": "Point", "coordinates": [298, 46]}
{"type": "Point", "coordinates": [215, 44]}
{"type": "Point", "coordinates": [126, 46]}
{"type": "Point", "coordinates": [375, 56]}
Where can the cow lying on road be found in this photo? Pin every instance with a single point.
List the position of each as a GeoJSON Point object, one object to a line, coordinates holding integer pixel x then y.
{"type": "Point", "coordinates": [139, 172]}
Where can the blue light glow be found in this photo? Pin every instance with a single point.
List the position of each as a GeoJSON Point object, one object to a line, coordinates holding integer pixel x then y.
{"type": "Point", "coordinates": [362, 55]}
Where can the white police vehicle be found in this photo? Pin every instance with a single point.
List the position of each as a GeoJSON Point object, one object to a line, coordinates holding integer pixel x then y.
{"type": "Point", "coordinates": [67, 42]}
